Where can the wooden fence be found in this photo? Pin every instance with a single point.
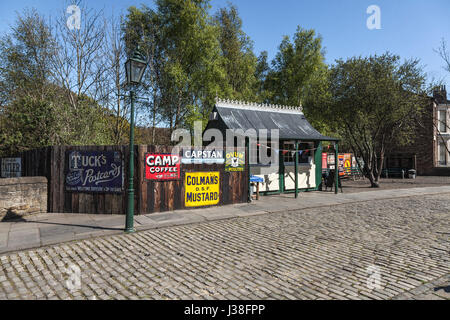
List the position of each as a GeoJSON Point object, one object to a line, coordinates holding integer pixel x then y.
{"type": "Point", "coordinates": [150, 196]}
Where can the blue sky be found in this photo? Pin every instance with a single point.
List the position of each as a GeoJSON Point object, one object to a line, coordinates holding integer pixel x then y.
{"type": "Point", "coordinates": [409, 28]}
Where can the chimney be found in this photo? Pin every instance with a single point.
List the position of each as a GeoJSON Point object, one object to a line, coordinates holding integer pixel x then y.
{"type": "Point", "coordinates": [440, 94]}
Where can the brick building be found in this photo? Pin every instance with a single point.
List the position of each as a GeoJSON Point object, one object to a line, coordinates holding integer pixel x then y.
{"type": "Point", "coordinates": [428, 154]}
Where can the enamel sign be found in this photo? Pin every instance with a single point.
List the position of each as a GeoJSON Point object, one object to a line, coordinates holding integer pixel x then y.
{"type": "Point", "coordinates": [11, 167]}
{"type": "Point", "coordinates": [199, 156]}
{"type": "Point", "coordinates": [160, 166]}
{"type": "Point", "coordinates": [95, 171]}
{"type": "Point", "coordinates": [235, 161]}
{"type": "Point", "coordinates": [202, 189]}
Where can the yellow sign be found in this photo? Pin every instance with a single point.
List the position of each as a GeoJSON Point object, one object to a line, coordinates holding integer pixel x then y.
{"type": "Point", "coordinates": [202, 189]}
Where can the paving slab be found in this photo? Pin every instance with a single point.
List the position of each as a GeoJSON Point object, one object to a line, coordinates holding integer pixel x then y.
{"type": "Point", "coordinates": [3, 239]}
{"type": "Point", "coordinates": [50, 239]}
{"type": "Point", "coordinates": [23, 239]}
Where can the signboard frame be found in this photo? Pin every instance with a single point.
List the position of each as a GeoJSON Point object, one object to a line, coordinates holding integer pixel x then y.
{"type": "Point", "coordinates": [193, 189]}
{"type": "Point", "coordinates": [99, 165]}
{"type": "Point", "coordinates": [15, 162]}
{"type": "Point", "coordinates": [235, 161]}
{"type": "Point", "coordinates": [148, 175]}
{"type": "Point", "coordinates": [191, 156]}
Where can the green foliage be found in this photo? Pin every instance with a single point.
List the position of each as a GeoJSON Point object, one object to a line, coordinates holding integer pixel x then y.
{"type": "Point", "coordinates": [374, 103]}
{"type": "Point", "coordinates": [28, 123]}
{"type": "Point", "coordinates": [239, 61]}
{"type": "Point", "coordinates": [294, 67]}
{"type": "Point", "coordinates": [35, 112]}
{"type": "Point", "coordinates": [24, 58]}
{"type": "Point", "coordinates": [188, 71]}
{"type": "Point", "coordinates": [371, 103]}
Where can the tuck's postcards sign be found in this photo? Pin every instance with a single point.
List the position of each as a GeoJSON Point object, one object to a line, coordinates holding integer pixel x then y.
{"type": "Point", "coordinates": [162, 167]}
{"type": "Point", "coordinates": [94, 171]}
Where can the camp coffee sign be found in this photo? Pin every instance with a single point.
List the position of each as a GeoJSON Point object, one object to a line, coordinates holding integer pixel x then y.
{"type": "Point", "coordinates": [202, 189]}
{"type": "Point", "coordinates": [95, 171]}
{"type": "Point", "coordinates": [162, 167]}
{"type": "Point", "coordinates": [11, 167]}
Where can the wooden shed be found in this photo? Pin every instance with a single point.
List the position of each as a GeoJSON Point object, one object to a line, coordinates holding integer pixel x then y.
{"type": "Point", "coordinates": [298, 147]}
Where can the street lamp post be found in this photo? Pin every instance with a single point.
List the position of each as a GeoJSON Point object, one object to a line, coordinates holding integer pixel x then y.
{"type": "Point", "coordinates": [135, 68]}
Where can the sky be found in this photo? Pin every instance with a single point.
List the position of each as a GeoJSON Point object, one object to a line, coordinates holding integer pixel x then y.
{"type": "Point", "coordinates": [409, 28]}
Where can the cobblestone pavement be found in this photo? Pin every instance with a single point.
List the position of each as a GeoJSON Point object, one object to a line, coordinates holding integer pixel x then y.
{"type": "Point", "coordinates": [384, 249]}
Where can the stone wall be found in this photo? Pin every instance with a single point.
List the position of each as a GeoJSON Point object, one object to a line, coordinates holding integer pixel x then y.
{"type": "Point", "coordinates": [20, 197]}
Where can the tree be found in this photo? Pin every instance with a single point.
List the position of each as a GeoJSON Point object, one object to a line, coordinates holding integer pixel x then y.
{"type": "Point", "coordinates": [294, 66]}
{"type": "Point", "coordinates": [185, 71]}
{"type": "Point", "coordinates": [111, 86]}
{"type": "Point", "coordinates": [36, 108]}
{"type": "Point", "coordinates": [239, 61]}
{"type": "Point", "coordinates": [24, 58]}
{"type": "Point", "coordinates": [261, 72]}
{"type": "Point", "coordinates": [444, 54]}
{"type": "Point", "coordinates": [141, 29]}
{"type": "Point", "coordinates": [373, 104]}
{"type": "Point", "coordinates": [31, 113]}
{"type": "Point", "coordinates": [192, 72]}
{"type": "Point", "coordinates": [28, 123]}
{"type": "Point", "coordinates": [79, 64]}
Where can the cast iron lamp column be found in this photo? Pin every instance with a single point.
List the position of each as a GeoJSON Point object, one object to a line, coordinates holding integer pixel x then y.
{"type": "Point", "coordinates": [135, 68]}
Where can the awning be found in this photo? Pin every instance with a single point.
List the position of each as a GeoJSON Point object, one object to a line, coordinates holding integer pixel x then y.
{"type": "Point", "coordinates": [290, 121]}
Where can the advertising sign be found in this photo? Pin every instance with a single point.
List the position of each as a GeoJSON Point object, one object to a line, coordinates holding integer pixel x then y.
{"type": "Point", "coordinates": [347, 162]}
{"type": "Point", "coordinates": [202, 189]}
{"type": "Point", "coordinates": [324, 161]}
{"type": "Point", "coordinates": [95, 171]}
{"type": "Point", "coordinates": [235, 161]}
{"type": "Point", "coordinates": [11, 167]}
{"type": "Point", "coordinates": [160, 166]}
{"type": "Point", "coordinates": [202, 156]}
{"type": "Point", "coordinates": [341, 164]}
{"type": "Point", "coordinates": [331, 160]}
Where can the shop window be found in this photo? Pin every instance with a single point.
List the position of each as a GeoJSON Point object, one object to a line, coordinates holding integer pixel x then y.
{"type": "Point", "coordinates": [288, 152]}
{"type": "Point", "coordinates": [305, 152]}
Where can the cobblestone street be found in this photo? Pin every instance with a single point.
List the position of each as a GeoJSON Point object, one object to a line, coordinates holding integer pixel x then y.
{"type": "Point", "coordinates": [383, 249]}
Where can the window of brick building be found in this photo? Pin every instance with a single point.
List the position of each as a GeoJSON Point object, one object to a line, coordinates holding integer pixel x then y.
{"type": "Point", "coordinates": [442, 154]}
{"type": "Point", "coordinates": [443, 121]}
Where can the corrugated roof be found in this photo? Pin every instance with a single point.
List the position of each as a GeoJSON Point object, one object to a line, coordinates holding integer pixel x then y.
{"type": "Point", "coordinates": [290, 121]}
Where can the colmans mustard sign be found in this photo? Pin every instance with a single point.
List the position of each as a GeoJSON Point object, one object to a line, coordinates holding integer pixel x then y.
{"type": "Point", "coordinates": [202, 189]}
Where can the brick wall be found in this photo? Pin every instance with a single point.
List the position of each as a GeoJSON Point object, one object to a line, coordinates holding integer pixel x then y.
{"type": "Point", "coordinates": [22, 196]}
{"type": "Point", "coordinates": [423, 146]}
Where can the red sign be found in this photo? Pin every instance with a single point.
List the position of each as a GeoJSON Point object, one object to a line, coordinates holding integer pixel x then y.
{"type": "Point", "coordinates": [160, 166]}
{"type": "Point", "coordinates": [324, 160]}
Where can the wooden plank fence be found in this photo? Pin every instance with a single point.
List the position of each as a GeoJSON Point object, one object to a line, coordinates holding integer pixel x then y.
{"type": "Point", "coordinates": [150, 196]}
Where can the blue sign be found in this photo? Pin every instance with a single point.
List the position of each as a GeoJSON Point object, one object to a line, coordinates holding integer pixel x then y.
{"type": "Point", "coordinates": [95, 171]}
